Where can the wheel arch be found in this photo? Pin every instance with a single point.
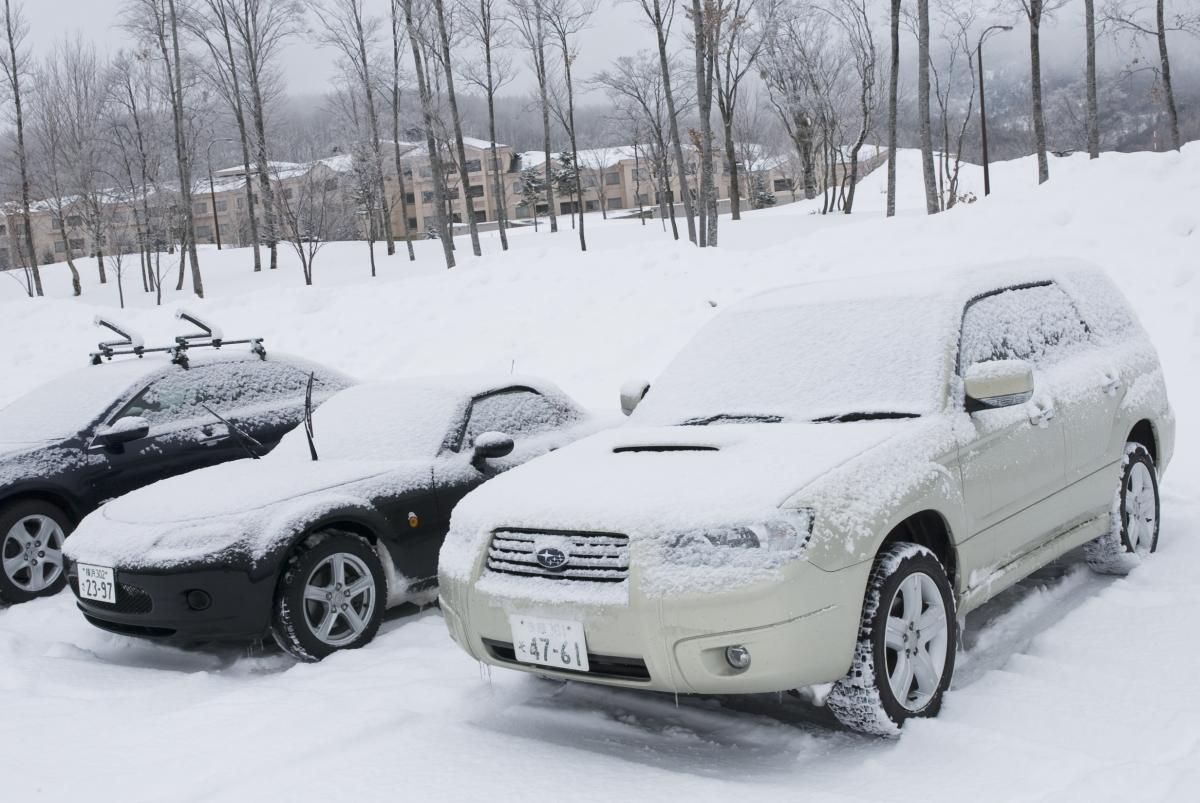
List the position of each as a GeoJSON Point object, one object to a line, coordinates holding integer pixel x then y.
{"type": "Point", "coordinates": [1143, 432]}
{"type": "Point", "coordinates": [930, 529]}
{"type": "Point", "coordinates": [59, 499]}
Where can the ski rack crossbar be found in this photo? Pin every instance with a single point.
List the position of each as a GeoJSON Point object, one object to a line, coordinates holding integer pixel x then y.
{"type": "Point", "coordinates": [132, 343]}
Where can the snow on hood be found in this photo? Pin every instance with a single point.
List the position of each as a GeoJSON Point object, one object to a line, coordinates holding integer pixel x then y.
{"type": "Point", "coordinates": [246, 508]}
{"type": "Point", "coordinates": [658, 480]}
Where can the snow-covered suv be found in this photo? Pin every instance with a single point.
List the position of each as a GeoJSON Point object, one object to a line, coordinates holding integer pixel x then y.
{"type": "Point", "coordinates": [817, 488]}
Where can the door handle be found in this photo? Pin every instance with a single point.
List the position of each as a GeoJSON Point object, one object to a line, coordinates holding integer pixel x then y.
{"type": "Point", "coordinates": [1041, 415]}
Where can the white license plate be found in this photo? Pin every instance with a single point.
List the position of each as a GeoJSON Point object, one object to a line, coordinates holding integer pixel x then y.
{"type": "Point", "coordinates": [97, 583]}
{"type": "Point", "coordinates": [554, 643]}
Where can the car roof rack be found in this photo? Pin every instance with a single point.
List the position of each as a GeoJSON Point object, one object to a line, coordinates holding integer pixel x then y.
{"type": "Point", "coordinates": [131, 342]}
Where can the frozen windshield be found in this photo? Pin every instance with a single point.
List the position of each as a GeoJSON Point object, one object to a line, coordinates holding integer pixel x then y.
{"type": "Point", "coordinates": [378, 422]}
{"type": "Point", "coordinates": [826, 360]}
{"type": "Point", "coordinates": [65, 406]}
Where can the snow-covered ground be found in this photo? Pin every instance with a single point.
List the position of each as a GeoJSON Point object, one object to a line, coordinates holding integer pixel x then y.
{"type": "Point", "coordinates": [1071, 686]}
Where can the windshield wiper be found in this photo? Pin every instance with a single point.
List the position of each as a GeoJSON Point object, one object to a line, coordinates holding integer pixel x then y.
{"type": "Point", "coordinates": [248, 442]}
{"type": "Point", "coordinates": [862, 416]}
{"type": "Point", "coordinates": [721, 418]}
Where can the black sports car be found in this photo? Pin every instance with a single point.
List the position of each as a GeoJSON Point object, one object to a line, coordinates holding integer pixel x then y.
{"type": "Point", "coordinates": [312, 543]}
{"type": "Point", "coordinates": [104, 430]}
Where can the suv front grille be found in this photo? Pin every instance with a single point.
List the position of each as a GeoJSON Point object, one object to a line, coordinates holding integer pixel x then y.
{"type": "Point", "coordinates": [130, 599]}
{"type": "Point", "coordinates": [599, 557]}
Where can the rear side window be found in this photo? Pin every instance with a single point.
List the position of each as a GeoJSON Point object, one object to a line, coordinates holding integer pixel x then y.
{"type": "Point", "coordinates": [1039, 324]}
{"type": "Point", "coordinates": [516, 412]}
{"type": "Point", "coordinates": [181, 395]}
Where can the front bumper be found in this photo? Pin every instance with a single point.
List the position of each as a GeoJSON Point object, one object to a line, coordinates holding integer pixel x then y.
{"type": "Point", "coordinates": [154, 604]}
{"type": "Point", "coordinates": [800, 629]}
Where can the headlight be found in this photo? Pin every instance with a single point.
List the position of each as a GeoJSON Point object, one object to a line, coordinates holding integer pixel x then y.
{"type": "Point", "coordinates": [786, 532]}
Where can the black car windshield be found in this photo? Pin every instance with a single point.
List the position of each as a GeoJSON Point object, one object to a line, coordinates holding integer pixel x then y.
{"type": "Point", "coordinates": [385, 421]}
{"type": "Point", "coordinates": [807, 360]}
{"type": "Point", "coordinates": [66, 406]}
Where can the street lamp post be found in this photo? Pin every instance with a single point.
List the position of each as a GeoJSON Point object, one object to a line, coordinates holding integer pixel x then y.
{"type": "Point", "coordinates": [987, 179]}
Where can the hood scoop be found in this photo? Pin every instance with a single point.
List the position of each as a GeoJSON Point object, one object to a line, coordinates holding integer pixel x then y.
{"type": "Point", "coordinates": [666, 447]}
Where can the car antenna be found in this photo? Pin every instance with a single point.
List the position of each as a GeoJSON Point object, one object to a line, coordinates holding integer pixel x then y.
{"type": "Point", "coordinates": [308, 425]}
{"type": "Point", "coordinates": [107, 348]}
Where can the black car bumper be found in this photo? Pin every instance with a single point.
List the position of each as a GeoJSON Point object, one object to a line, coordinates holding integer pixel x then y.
{"type": "Point", "coordinates": [165, 605]}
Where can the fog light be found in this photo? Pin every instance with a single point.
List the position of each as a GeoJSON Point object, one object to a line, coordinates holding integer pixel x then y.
{"type": "Point", "coordinates": [199, 600]}
{"type": "Point", "coordinates": [738, 657]}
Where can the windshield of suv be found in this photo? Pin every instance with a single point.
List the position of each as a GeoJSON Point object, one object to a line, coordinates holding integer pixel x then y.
{"type": "Point", "coordinates": [865, 358]}
{"type": "Point", "coordinates": [383, 421]}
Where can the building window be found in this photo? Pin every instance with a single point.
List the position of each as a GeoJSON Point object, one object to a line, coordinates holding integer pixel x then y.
{"type": "Point", "coordinates": [590, 206]}
{"type": "Point", "coordinates": [222, 206]}
{"type": "Point", "coordinates": [330, 184]}
{"type": "Point", "coordinates": [412, 224]}
{"type": "Point", "coordinates": [59, 246]}
{"type": "Point", "coordinates": [616, 203]}
{"type": "Point", "coordinates": [241, 202]}
{"type": "Point", "coordinates": [589, 181]}
{"type": "Point", "coordinates": [427, 197]}
{"type": "Point", "coordinates": [200, 208]}
{"type": "Point", "coordinates": [518, 188]}
{"type": "Point", "coordinates": [3, 231]}
{"type": "Point", "coordinates": [643, 198]}
{"type": "Point", "coordinates": [473, 166]}
{"type": "Point", "coordinates": [480, 216]}
{"type": "Point", "coordinates": [76, 245]}
{"type": "Point", "coordinates": [204, 231]}
{"type": "Point", "coordinates": [475, 191]}
{"type": "Point", "coordinates": [74, 220]}
{"type": "Point", "coordinates": [782, 184]}
{"type": "Point", "coordinates": [612, 178]}
{"type": "Point", "coordinates": [426, 171]}
{"type": "Point", "coordinates": [410, 198]}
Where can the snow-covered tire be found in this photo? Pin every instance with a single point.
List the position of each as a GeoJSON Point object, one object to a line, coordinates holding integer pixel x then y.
{"type": "Point", "coordinates": [31, 541]}
{"type": "Point", "coordinates": [908, 628]}
{"type": "Point", "coordinates": [331, 596]}
{"type": "Point", "coordinates": [1134, 517]}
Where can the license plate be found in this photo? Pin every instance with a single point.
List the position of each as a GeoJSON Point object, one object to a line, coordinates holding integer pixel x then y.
{"type": "Point", "coordinates": [97, 583]}
{"type": "Point", "coordinates": [554, 643]}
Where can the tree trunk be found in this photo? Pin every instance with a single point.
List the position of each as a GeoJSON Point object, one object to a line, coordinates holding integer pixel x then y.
{"type": "Point", "coordinates": [574, 145]}
{"type": "Point", "coordinates": [373, 123]}
{"type": "Point", "coordinates": [893, 96]}
{"type": "Point", "coordinates": [435, 158]}
{"type": "Point", "coordinates": [408, 235]}
{"type": "Point", "coordinates": [185, 169]}
{"type": "Point", "coordinates": [1093, 113]}
{"type": "Point", "coordinates": [14, 79]}
{"type": "Point", "coordinates": [239, 116]}
{"type": "Point", "coordinates": [1035, 86]}
{"type": "Point", "coordinates": [1168, 89]}
{"type": "Point", "coordinates": [497, 175]}
{"type": "Point", "coordinates": [735, 191]}
{"type": "Point", "coordinates": [62, 232]}
{"type": "Point", "coordinates": [931, 197]}
{"type": "Point", "coordinates": [540, 58]}
{"type": "Point", "coordinates": [463, 177]}
{"type": "Point", "coordinates": [664, 64]}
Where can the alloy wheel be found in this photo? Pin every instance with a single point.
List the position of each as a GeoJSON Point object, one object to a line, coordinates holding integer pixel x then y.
{"type": "Point", "coordinates": [916, 641]}
{"type": "Point", "coordinates": [32, 553]}
{"type": "Point", "coordinates": [1140, 508]}
{"type": "Point", "coordinates": [339, 599]}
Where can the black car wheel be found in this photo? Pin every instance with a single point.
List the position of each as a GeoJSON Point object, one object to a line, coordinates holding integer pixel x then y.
{"type": "Point", "coordinates": [331, 596]}
{"type": "Point", "coordinates": [31, 541]}
{"type": "Point", "coordinates": [905, 655]}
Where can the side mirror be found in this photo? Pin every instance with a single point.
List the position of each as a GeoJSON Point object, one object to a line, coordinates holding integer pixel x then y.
{"type": "Point", "coordinates": [490, 445]}
{"type": "Point", "coordinates": [632, 393]}
{"type": "Point", "coordinates": [998, 383]}
{"type": "Point", "coordinates": [123, 430]}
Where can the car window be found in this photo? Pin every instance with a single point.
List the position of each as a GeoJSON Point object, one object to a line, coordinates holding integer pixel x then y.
{"type": "Point", "coordinates": [181, 395]}
{"type": "Point", "coordinates": [1039, 324]}
{"type": "Point", "coordinates": [517, 413]}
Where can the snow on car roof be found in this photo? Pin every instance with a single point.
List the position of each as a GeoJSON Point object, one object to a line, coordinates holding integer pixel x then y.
{"type": "Point", "coordinates": [64, 405]}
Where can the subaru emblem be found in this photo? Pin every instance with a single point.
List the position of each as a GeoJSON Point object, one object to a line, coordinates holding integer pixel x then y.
{"type": "Point", "coordinates": [551, 558]}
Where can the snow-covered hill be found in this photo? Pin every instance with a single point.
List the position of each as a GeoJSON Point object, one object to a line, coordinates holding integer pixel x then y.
{"type": "Point", "coordinates": [1071, 686]}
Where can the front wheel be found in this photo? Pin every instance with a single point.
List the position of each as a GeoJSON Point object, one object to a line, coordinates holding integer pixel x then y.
{"type": "Point", "coordinates": [904, 659]}
{"type": "Point", "coordinates": [1133, 522]}
{"type": "Point", "coordinates": [31, 542]}
{"type": "Point", "coordinates": [331, 596]}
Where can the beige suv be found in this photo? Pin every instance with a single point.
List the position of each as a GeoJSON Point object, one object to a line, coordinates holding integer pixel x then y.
{"type": "Point", "coordinates": [818, 488]}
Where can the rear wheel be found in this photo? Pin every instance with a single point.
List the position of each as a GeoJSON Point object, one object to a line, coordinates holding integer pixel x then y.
{"type": "Point", "coordinates": [31, 541]}
{"type": "Point", "coordinates": [331, 596]}
{"type": "Point", "coordinates": [904, 659]}
{"type": "Point", "coordinates": [1133, 523]}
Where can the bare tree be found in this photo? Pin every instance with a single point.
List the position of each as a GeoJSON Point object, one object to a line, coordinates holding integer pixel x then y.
{"type": "Point", "coordinates": [452, 99]}
{"type": "Point", "coordinates": [953, 74]}
{"type": "Point", "coordinates": [661, 15]}
{"type": "Point", "coordinates": [1036, 12]}
{"type": "Point", "coordinates": [923, 123]}
{"type": "Point", "coordinates": [488, 30]}
{"type": "Point", "coordinates": [738, 43]}
{"type": "Point", "coordinates": [346, 27]}
{"type": "Point", "coordinates": [529, 20]}
{"type": "Point", "coordinates": [893, 102]}
{"type": "Point", "coordinates": [50, 112]}
{"type": "Point", "coordinates": [566, 19]}
{"type": "Point", "coordinates": [704, 27]}
{"type": "Point", "coordinates": [12, 61]}
{"type": "Point", "coordinates": [397, 51]}
{"type": "Point", "coordinates": [312, 213]}
{"type": "Point", "coordinates": [1093, 111]}
{"type": "Point", "coordinates": [158, 21]}
{"type": "Point", "coordinates": [788, 67]}
{"type": "Point", "coordinates": [1122, 16]}
{"type": "Point", "coordinates": [428, 113]}
{"type": "Point", "coordinates": [854, 17]}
